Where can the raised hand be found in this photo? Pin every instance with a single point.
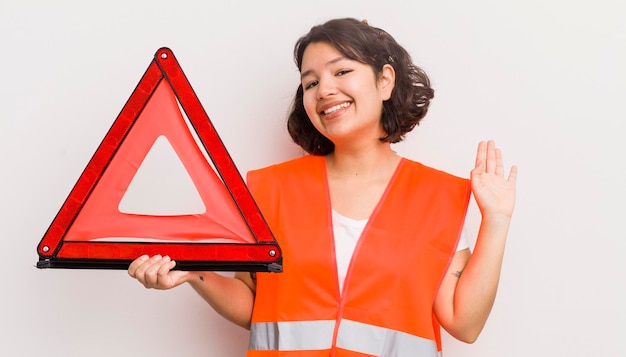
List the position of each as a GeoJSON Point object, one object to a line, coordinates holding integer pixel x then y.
{"type": "Point", "coordinates": [494, 193]}
{"type": "Point", "coordinates": [156, 272]}
{"type": "Point", "coordinates": [463, 304]}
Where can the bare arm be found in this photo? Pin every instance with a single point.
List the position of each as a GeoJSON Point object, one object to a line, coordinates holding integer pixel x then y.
{"type": "Point", "coordinates": [231, 297]}
{"type": "Point", "coordinates": [468, 290]}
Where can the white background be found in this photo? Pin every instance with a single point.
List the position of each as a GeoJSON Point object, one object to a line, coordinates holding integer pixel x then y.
{"type": "Point", "coordinates": [546, 80]}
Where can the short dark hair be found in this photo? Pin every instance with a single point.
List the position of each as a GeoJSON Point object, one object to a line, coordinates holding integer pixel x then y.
{"type": "Point", "coordinates": [369, 45]}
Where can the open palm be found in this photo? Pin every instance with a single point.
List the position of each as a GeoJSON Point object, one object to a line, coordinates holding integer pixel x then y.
{"type": "Point", "coordinates": [494, 193]}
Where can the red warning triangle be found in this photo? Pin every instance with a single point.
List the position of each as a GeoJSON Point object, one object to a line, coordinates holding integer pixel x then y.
{"type": "Point", "coordinates": [97, 228]}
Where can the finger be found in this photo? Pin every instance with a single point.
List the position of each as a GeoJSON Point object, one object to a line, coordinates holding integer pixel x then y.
{"type": "Point", "coordinates": [141, 273]}
{"type": "Point", "coordinates": [481, 154]}
{"type": "Point", "coordinates": [132, 268]}
{"type": "Point", "coordinates": [151, 274]}
{"type": "Point", "coordinates": [491, 157]}
{"type": "Point", "coordinates": [513, 175]}
{"type": "Point", "coordinates": [166, 268]}
{"type": "Point", "coordinates": [499, 163]}
{"type": "Point", "coordinates": [164, 279]}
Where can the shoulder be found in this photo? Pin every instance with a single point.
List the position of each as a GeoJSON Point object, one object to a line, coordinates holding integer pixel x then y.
{"type": "Point", "coordinates": [294, 166]}
{"type": "Point", "coordinates": [425, 181]}
{"type": "Point", "coordinates": [270, 184]}
{"type": "Point", "coordinates": [414, 168]}
{"type": "Point", "coordinates": [301, 167]}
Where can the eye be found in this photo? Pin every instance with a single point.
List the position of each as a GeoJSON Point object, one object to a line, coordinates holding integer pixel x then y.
{"type": "Point", "coordinates": [343, 72]}
{"type": "Point", "coordinates": [310, 85]}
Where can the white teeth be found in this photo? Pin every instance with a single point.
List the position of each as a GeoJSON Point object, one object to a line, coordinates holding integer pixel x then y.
{"type": "Point", "coordinates": [336, 107]}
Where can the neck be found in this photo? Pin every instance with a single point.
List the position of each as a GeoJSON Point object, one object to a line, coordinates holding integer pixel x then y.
{"type": "Point", "coordinates": [366, 162]}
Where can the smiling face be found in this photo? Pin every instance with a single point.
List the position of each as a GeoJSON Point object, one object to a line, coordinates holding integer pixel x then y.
{"type": "Point", "coordinates": [343, 98]}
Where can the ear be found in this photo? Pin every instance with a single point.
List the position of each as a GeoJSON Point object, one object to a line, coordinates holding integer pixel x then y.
{"type": "Point", "coordinates": [387, 81]}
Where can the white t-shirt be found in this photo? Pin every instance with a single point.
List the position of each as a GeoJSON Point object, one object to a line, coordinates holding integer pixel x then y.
{"type": "Point", "coordinates": [347, 232]}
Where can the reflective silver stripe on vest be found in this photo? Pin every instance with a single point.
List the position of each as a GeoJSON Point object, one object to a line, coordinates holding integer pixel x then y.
{"type": "Point", "coordinates": [352, 335]}
{"type": "Point", "coordinates": [292, 336]}
{"type": "Point", "coordinates": [380, 341]}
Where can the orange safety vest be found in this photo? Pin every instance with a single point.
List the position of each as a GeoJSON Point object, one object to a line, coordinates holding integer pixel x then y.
{"type": "Point", "coordinates": [386, 307]}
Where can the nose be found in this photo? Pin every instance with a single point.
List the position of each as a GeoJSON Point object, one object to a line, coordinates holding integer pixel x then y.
{"type": "Point", "coordinates": [326, 88]}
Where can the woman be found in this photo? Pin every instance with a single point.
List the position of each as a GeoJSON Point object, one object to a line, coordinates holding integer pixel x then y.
{"type": "Point", "coordinates": [372, 260]}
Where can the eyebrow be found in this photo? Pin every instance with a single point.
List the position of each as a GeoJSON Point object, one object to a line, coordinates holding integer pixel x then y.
{"type": "Point", "coordinates": [333, 61]}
